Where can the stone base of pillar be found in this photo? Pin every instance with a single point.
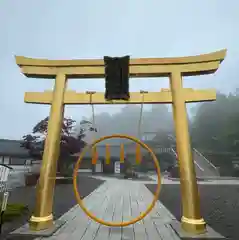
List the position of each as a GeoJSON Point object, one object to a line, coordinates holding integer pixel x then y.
{"type": "Point", "coordinates": [209, 234]}
{"type": "Point", "coordinates": [25, 230]}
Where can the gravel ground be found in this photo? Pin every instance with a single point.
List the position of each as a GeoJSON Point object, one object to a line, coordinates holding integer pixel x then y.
{"type": "Point", "coordinates": [64, 200]}
{"type": "Point", "coordinates": [219, 206]}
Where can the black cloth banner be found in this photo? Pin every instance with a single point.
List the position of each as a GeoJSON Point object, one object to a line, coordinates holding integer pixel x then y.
{"type": "Point", "coordinates": [117, 78]}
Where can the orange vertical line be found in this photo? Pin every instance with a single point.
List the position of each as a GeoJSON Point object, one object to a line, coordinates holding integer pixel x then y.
{"type": "Point", "coordinates": [94, 155]}
{"type": "Point", "coordinates": [121, 153]}
{"type": "Point", "coordinates": [107, 153]}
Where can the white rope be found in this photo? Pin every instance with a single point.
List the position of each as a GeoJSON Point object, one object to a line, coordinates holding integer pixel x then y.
{"type": "Point", "coordinates": [93, 122]}
{"type": "Point", "coordinates": [93, 113]}
{"type": "Point", "coordinates": [141, 113]}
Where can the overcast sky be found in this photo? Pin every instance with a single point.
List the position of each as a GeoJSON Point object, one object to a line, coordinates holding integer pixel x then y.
{"type": "Point", "coordinates": [60, 29]}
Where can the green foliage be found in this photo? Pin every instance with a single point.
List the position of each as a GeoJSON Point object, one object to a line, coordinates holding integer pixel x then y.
{"type": "Point", "coordinates": [68, 144]}
{"type": "Point", "coordinates": [215, 130]}
{"type": "Point", "coordinates": [13, 211]}
{"type": "Point", "coordinates": [215, 125]}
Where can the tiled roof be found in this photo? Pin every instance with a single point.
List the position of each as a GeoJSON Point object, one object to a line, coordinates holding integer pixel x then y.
{"type": "Point", "coordinates": [12, 148]}
{"type": "Point", "coordinates": [115, 150]}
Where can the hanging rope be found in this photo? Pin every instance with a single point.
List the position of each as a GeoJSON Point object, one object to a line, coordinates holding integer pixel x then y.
{"type": "Point", "coordinates": [93, 110]}
{"type": "Point", "coordinates": [138, 147]}
{"type": "Point", "coordinates": [94, 149]}
{"type": "Point", "coordinates": [92, 107]}
{"type": "Point", "coordinates": [141, 113]}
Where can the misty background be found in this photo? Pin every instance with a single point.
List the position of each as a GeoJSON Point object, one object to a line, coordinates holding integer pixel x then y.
{"type": "Point", "coordinates": [156, 118]}
{"type": "Point", "coordinates": [79, 29]}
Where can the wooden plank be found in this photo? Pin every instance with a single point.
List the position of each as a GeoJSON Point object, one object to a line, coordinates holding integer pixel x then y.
{"type": "Point", "coordinates": [127, 232]}
{"type": "Point", "coordinates": [136, 71]}
{"type": "Point", "coordinates": [116, 232]}
{"type": "Point", "coordinates": [119, 211]}
{"type": "Point", "coordinates": [164, 96]}
{"type": "Point", "coordinates": [214, 56]}
{"type": "Point", "coordinates": [92, 230]}
{"type": "Point", "coordinates": [159, 217]}
{"type": "Point", "coordinates": [139, 227]}
{"type": "Point", "coordinates": [159, 211]}
{"type": "Point", "coordinates": [151, 230]}
{"type": "Point", "coordinates": [165, 231]}
{"type": "Point", "coordinates": [104, 232]}
{"type": "Point", "coordinates": [92, 200]}
{"type": "Point", "coordinates": [78, 223]}
{"type": "Point", "coordinates": [127, 200]}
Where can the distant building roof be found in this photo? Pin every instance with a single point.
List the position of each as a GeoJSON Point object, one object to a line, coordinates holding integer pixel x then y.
{"type": "Point", "coordinates": [12, 148]}
{"type": "Point", "coordinates": [129, 149]}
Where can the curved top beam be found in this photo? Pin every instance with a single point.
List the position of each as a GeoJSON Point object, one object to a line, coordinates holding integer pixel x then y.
{"type": "Point", "coordinates": [210, 57]}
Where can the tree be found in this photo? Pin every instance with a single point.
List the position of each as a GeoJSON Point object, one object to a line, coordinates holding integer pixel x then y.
{"type": "Point", "coordinates": [215, 125]}
{"type": "Point", "coordinates": [33, 145]}
{"type": "Point", "coordinates": [215, 129]}
{"type": "Point", "coordinates": [42, 126]}
{"type": "Point", "coordinates": [68, 144]}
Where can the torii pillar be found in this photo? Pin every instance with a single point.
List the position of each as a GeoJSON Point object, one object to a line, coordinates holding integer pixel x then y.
{"type": "Point", "coordinates": [174, 68]}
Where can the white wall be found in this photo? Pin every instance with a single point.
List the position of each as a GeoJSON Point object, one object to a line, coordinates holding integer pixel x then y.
{"type": "Point", "coordinates": [20, 168]}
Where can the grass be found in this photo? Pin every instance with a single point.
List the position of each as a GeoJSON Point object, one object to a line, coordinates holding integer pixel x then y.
{"type": "Point", "coordinates": [14, 211]}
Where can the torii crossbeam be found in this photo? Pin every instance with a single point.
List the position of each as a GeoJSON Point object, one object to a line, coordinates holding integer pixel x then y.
{"type": "Point", "coordinates": [164, 96]}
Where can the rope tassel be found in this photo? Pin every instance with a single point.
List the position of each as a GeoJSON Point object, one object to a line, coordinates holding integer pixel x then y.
{"type": "Point", "coordinates": [138, 154]}
{"type": "Point", "coordinates": [121, 153]}
{"type": "Point", "coordinates": [107, 154]}
{"type": "Point", "coordinates": [94, 155]}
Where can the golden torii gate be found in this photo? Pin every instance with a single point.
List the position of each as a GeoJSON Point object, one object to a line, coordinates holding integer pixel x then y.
{"type": "Point", "coordinates": [174, 68]}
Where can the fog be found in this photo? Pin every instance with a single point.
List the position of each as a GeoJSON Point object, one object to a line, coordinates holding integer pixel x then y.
{"type": "Point", "coordinates": [155, 118]}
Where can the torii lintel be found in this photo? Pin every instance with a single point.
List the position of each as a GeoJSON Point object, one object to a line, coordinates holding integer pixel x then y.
{"type": "Point", "coordinates": [140, 67]}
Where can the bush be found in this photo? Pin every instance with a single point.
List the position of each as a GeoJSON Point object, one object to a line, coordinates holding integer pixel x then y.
{"type": "Point", "coordinates": [174, 172]}
{"type": "Point", "coordinates": [13, 211]}
{"type": "Point", "coordinates": [130, 174]}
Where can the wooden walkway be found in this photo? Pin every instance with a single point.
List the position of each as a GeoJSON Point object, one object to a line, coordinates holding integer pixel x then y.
{"type": "Point", "coordinates": [117, 200]}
